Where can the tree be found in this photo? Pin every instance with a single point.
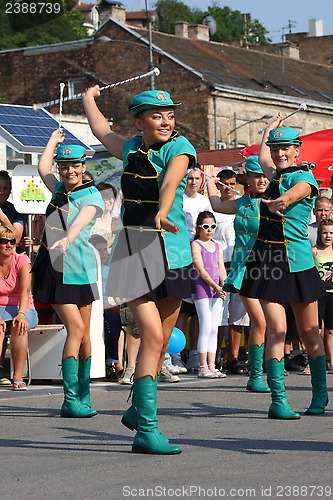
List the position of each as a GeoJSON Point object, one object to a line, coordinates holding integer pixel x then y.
{"type": "Point", "coordinates": [231, 24]}
{"type": "Point", "coordinates": [23, 29]}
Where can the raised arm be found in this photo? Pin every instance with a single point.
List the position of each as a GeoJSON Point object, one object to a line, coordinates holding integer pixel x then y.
{"type": "Point", "coordinates": [224, 207]}
{"type": "Point", "coordinates": [265, 159]}
{"type": "Point", "coordinates": [99, 124]}
{"type": "Point", "coordinates": [46, 160]}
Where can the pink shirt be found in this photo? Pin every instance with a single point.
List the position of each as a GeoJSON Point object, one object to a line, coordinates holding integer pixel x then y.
{"type": "Point", "coordinates": [10, 287]}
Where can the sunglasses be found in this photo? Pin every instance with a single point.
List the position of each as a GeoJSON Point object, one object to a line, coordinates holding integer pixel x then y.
{"type": "Point", "coordinates": [4, 241]}
{"type": "Point", "coordinates": [208, 226]}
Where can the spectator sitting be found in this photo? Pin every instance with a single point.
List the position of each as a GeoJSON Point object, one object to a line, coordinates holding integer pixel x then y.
{"type": "Point", "coordinates": [17, 312]}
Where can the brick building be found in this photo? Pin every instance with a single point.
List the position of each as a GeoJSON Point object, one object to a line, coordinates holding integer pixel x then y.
{"type": "Point", "coordinates": [226, 91]}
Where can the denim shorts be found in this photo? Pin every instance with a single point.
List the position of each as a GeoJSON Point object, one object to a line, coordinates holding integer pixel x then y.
{"type": "Point", "coordinates": [8, 313]}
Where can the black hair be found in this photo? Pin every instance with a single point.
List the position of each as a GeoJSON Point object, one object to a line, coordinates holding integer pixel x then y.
{"type": "Point", "coordinates": [4, 176]}
{"type": "Point", "coordinates": [206, 214]}
{"type": "Point", "coordinates": [226, 174]}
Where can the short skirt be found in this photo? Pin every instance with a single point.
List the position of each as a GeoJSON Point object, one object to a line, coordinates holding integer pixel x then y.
{"type": "Point", "coordinates": [47, 290]}
{"type": "Point", "coordinates": [277, 285]}
{"type": "Point", "coordinates": [138, 268]}
{"type": "Point", "coordinates": [177, 283]}
{"type": "Point", "coordinates": [8, 313]}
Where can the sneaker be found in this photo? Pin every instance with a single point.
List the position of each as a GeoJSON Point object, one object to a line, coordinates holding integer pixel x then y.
{"type": "Point", "coordinates": [127, 378]}
{"type": "Point", "coordinates": [192, 364]}
{"type": "Point", "coordinates": [166, 376]}
{"type": "Point", "coordinates": [174, 370]}
{"type": "Point", "coordinates": [177, 362]}
{"type": "Point", "coordinates": [206, 374]}
{"type": "Point", "coordinates": [5, 381]}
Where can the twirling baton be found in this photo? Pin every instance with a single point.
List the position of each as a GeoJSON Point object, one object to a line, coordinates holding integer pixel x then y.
{"type": "Point", "coordinates": [61, 100]}
{"type": "Point", "coordinates": [154, 71]}
{"type": "Point", "coordinates": [219, 182]}
{"type": "Point", "coordinates": [302, 107]}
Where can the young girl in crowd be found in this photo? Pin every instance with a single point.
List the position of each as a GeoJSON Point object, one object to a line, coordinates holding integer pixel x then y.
{"type": "Point", "coordinates": [208, 261]}
{"type": "Point", "coordinates": [154, 238]}
{"type": "Point", "coordinates": [323, 257]}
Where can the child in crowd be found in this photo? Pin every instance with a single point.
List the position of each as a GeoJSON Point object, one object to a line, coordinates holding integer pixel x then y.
{"type": "Point", "coordinates": [323, 257]}
{"type": "Point", "coordinates": [208, 261]}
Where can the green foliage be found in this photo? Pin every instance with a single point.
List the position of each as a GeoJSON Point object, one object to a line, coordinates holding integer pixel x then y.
{"type": "Point", "coordinates": [231, 24]}
{"type": "Point", "coordinates": [171, 11]}
{"type": "Point", "coordinates": [23, 30]}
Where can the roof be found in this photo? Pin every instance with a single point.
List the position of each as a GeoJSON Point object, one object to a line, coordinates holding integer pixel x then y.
{"type": "Point", "coordinates": [228, 67]}
{"type": "Point", "coordinates": [230, 157]}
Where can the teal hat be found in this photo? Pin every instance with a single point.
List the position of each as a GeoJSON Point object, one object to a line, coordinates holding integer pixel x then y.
{"type": "Point", "coordinates": [284, 135]}
{"type": "Point", "coordinates": [252, 165]}
{"type": "Point", "coordinates": [71, 152]}
{"type": "Point", "coordinates": [151, 99]}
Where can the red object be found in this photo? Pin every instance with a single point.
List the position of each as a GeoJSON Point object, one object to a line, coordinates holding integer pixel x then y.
{"type": "Point", "coordinates": [317, 148]}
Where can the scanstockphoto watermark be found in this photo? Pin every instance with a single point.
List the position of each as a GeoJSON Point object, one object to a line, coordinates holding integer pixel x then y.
{"type": "Point", "coordinates": [193, 491]}
{"type": "Point", "coordinates": [197, 491]}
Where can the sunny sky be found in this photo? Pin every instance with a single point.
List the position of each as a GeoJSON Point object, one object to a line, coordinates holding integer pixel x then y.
{"type": "Point", "coordinates": [275, 16]}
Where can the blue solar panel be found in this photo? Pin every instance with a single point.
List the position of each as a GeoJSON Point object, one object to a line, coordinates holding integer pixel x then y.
{"type": "Point", "coordinates": [28, 131]}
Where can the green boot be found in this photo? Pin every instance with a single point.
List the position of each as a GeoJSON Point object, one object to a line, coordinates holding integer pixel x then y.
{"type": "Point", "coordinates": [279, 408]}
{"type": "Point", "coordinates": [256, 382]}
{"type": "Point", "coordinates": [149, 439]}
{"type": "Point", "coordinates": [129, 419]}
{"type": "Point", "coordinates": [72, 406]}
{"type": "Point", "coordinates": [319, 387]}
{"type": "Point", "coordinates": [84, 383]}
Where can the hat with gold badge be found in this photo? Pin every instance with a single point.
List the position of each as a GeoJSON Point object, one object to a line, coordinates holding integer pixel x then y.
{"type": "Point", "coordinates": [284, 135]}
{"type": "Point", "coordinates": [71, 152]}
{"type": "Point", "coordinates": [151, 99]}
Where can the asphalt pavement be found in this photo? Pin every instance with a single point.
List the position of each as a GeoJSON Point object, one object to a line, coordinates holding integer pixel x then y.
{"type": "Point", "coordinates": [230, 448]}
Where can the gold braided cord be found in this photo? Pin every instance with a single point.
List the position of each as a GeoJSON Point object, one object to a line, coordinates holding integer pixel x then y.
{"type": "Point", "coordinates": [140, 201]}
{"type": "Point", "coordinates": [272, 241]}
{"type": "Point", "coordinates": [142, 176]}
{"type": "Point", "coordinates": [60, 208]}
{"type": "Point", "coordinates": [141, 229]}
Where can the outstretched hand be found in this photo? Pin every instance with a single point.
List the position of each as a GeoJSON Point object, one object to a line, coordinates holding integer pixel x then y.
{"type": "Point", "coordinates": [276, 206]}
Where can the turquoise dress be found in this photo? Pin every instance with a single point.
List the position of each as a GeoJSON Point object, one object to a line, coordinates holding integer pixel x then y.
{"type": "Point", "coordinates": [146, 261]}
{"type": "Point", "coordinates": [280, 266]}
{"type": "Point", "coordinates": [246, 226]}
{"type": "Point", "coordinates": [54, 274]}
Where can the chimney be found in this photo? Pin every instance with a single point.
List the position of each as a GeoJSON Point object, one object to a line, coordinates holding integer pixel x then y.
{"type": "Point", "coordinates": [181, 29]}
{"type": "Point", "coordinates": [316, 27]}
{"type": "Point", "coordinates": [115, 11]}
{"type": "Point", "coordinates": [199, 32]}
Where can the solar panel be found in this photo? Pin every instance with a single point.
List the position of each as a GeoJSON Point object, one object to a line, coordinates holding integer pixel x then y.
{"type": "Point", "coordinates": [28, 131]}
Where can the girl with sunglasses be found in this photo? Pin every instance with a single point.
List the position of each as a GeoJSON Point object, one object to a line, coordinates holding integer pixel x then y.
{"type": "Point", "coordinates": [17, 312]}
{"type": "Point", "coordinates": [208, 261]}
